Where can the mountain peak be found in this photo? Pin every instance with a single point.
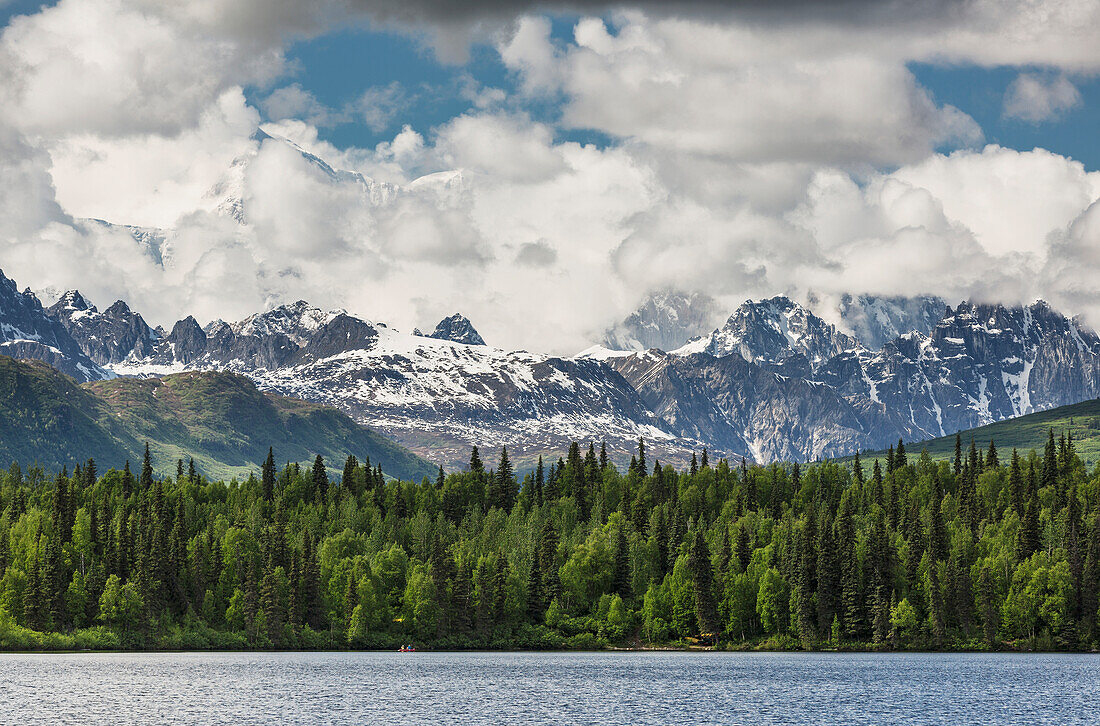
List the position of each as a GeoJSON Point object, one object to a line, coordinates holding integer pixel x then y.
{"type": "Point", "coordinates": [458, 329]}
{"type": "Point", "coordinates": [73, 300]}
{"type": "Point", "coordinates": [776, 332]}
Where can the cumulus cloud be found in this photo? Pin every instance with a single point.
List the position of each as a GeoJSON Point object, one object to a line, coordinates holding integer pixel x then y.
{"type": "Point", "coordinates": [761, 148]}
{"type": "Point", "coordinates": [112, 68]}
{"type": "Point", "coordinates": [1034, 98]}
{"type": "Point", "coordinates": [745, 93]}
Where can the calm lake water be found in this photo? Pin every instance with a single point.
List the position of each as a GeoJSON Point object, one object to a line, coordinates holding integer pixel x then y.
{"type": "Point", "coordinates": [573, 688]}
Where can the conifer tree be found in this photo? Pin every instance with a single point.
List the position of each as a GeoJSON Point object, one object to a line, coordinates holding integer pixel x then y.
{"type": "Point", "coordinates": [660, 540]}
{"type": "Point", "coordinates": [548, 562]}
{"type": "Point", "coordinates": [1090, 580]}
{"type": "Point", "coordinates": [440, 478]}
{"type": "Point", "coordinates": [1016, 484]}
{"type": "Point", "coordinates": [706, 608]}
{"type": "Point", "coordinates": [877, 493]}
{"type": "Point", "coordinates": [1027, 536]}
{"type": "Point", "coordinates": [936, 615]}
{"type": "Point", "coordinates": [127, 481]}
{"type": "Point", "coordinates": [536, 606]}
{"type": "Point", "coordinates": [958, 455]}
{"type": "Point", "coordinates": [748, 486]}
{"type": "Point", "coordinates": [620, 553]}
{"type": "Point", "coordinates": [319, 479]}
{"type": "Point", "coordinates": [146, 470]}
{"type": "Point", "coordinates": [744, 548]}
{"type": "Point", "coordinates": [347, 477]}
{"type": "Point", "coordinates": [1050, 472]}
{"type": "Point", "coordinates": [857, 470]}
{"type": "Point", "coordinates": [937, 533]}
{"type": "Point", "coordinates": [272, 609]}
{"type": "Point", "coordinates": [987, 605]}
{"type": "Point", "coordinates": [268, 476]}
{"type": "Point", "coordinates": [505, 482]}
{"type": "Point", "coordinates": [851, 585]}
{"type": "Point", "coordinates": [828, 575]}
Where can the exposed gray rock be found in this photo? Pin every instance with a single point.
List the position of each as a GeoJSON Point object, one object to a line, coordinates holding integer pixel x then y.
{"type": "Point", "coordinates": [107, 337]}
{"type": "Point", "coordinates": [26, 331]}
{"type": "Point", "coordinates": [457, 329]}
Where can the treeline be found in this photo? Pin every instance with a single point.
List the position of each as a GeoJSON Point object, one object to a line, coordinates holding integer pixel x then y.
{"type": "Point", "coordinates": [979, 552]}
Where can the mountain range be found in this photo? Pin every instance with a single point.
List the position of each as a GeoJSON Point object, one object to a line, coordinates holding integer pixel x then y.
{"type": "Point", "coordinates": [776, 379]}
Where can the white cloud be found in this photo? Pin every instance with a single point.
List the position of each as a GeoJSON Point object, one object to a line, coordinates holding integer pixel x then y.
{"type": "Point", "coordinates": [108, 68]}
{"type": "Point", "coordinates": [754, 156]}
{"type": "Point", "coordinates": [294, 102]}
{"type": "Point", "coordinates": [745, 93]}
{"type": "Point", "coordinates": [1035, 98]}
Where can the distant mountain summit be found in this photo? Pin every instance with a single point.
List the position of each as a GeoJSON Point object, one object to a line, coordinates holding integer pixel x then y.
{"type": "Point", "coordinates": [776, 333]}
{"type": "Point", "coordinates": [457, 329]}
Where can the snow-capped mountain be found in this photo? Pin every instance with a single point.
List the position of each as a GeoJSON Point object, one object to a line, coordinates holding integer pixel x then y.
{"type": "Point", "coordinates": [775, 381]}
{"type": "Point", "coordinates": [26, 331]}
{"type": "Point", "coordinates": [664, 320]}
{"type": "Point", "coordinates": [777, 333]}
{"type": "Point", "coordinates": [437, 396]}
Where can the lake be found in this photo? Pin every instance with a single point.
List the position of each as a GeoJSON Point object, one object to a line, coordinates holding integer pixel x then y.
{"type": "Point", "coordinates": [574, 688]}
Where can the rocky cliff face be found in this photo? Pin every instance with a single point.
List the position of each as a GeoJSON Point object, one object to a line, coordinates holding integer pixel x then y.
{"type": "Point", "coordinates": [106, 337]}
{"type": "Point", "coordinates": [748, 409]}
{"type": "Point", "coordinates": [979, 364]}
{"type": "Point", "coordinates": [874, 321]}
{"type": "Point", "coordinates": [26, 331]}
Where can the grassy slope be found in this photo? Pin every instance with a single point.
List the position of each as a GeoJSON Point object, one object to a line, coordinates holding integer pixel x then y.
{"type": "Point", "coordinates": [1026, 433]}
{"type": "Point", "coordinates": [220, 419]}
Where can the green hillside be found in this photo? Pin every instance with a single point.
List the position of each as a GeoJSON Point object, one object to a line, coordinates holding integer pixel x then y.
{"type": "Point", "coordinates": [1026, 433]}
{"type": "Point", "coordinates": [220, 419]}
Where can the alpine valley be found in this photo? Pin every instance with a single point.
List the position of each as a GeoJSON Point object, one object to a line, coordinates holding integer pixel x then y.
{"type": "Point", "coordinates": [773, 381]}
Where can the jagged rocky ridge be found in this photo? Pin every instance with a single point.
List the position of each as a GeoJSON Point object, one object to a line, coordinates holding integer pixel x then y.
{"type": "Point", "coordinates": [27, 331]}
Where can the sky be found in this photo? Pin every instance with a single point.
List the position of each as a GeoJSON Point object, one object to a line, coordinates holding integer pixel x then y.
{"type": "Point", "coordinates": [541, 167]}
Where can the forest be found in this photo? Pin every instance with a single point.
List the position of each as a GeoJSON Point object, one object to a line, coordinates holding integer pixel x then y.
{"type": "Point", "coordinates": [990, 550]}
